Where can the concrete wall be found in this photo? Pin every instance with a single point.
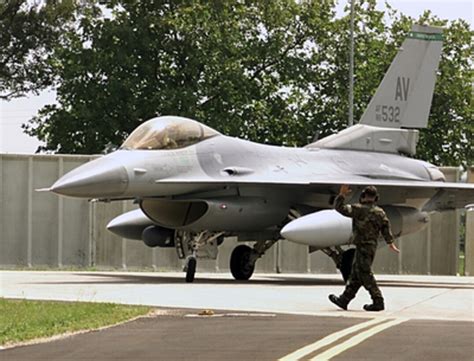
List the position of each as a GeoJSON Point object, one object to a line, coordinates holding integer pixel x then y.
{"type": "Point", "coordinates": [37, 228]}
{"type": "Point", "coordinates": [42, 229]}
{"type": "Point", "coordinates": [469, 240]}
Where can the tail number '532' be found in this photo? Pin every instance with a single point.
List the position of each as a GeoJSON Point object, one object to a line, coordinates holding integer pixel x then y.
{"type": "Point", "coordinates": [384, 113]}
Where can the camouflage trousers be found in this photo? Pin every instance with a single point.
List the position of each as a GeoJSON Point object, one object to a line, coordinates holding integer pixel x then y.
{"type": "Point", "coordinates": [361, 274]}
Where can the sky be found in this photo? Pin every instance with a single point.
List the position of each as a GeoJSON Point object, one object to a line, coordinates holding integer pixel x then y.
{"type": "Point", "coordinates": [18, 111]}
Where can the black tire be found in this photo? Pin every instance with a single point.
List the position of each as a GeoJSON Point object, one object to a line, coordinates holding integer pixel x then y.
{"type": "Point", "coordinates": [191, 270]}
{"type": "Point", "coordinates": [346, 263]}
{"type": "Point", "coordinates": [240, 265]}
{"type": "Point", "coordinates": [220, 240]}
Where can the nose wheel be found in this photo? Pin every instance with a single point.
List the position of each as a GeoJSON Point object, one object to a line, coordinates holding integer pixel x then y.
{"type": "Point", "coordinates": [190, 246]}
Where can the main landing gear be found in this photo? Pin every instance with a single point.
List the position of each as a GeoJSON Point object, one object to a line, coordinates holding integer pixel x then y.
{"type": "Point", "coordinates": [190, 268]}
{"type": "Point", "coordinates": [243, 258]}
{"type": "Point", "coordinates": [342, 259]}
{"type": "Point", "coordinates": [241, 264]}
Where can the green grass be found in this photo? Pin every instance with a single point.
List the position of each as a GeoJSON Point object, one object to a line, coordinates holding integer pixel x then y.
{"type": "Point", "coordinates": [22, 320]}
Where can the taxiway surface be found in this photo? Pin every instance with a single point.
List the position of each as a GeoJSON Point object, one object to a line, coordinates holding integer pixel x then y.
{"type": "Point", "coordinates": [268, 318]}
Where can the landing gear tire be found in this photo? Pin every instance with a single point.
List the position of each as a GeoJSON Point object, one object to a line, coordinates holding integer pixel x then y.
{"type": "Point", "coordinates": [346, 263]}
{"type": "Point", "coordinates": [240, 265]}
{"type": "Point", "coordinates": [190, 269]}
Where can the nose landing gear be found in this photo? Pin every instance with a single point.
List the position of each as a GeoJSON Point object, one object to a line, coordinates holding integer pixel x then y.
{"type": "Point", "coordinates": [190, 246]}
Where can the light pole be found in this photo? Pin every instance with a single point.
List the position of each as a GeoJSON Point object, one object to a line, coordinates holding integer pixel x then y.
{"type": "Point", "coordinates": [351, 68]}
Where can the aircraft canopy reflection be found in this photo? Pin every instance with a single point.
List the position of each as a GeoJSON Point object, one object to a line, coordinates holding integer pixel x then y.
{"type": "Point", "coordinates": [168, 132]}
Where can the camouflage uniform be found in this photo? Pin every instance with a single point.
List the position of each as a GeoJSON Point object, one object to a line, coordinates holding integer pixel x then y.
{"type": "Point", "coordinates": [368, 222]}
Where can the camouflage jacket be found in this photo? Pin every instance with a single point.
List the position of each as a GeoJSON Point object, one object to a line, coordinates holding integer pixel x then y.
{"type": "Point", "coordinates": [368, 221]}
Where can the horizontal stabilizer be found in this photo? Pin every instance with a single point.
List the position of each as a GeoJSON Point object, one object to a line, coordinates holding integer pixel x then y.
{"type": "Point", "coordinates": [371, 139]}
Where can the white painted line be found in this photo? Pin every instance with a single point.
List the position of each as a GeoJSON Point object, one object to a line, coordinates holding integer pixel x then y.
{"type": "Point", "coordinates": [355, 340]}
{"type": "Point", "coordinates": [305, 351]}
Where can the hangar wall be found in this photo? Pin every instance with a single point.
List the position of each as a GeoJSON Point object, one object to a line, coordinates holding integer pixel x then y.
{"type": "Point", "coordinates": [40, 229]}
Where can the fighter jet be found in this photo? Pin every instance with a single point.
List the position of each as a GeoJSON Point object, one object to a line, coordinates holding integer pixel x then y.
{"type": "Point", "coordinates": [195, 186]}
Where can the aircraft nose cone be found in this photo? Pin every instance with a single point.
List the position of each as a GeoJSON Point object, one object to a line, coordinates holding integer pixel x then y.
{"type": "Point", "coordinates": [97, 179]}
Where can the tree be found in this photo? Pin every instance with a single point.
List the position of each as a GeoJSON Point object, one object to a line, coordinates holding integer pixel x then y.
{"type": "Point", "coordinates": [235, 66]}
{"type": "Point", "coordinates": [29, 30]}
{"type": "Point", "coordinates": [448, 138]}
{"type": "Point", "coordinates": [270, 71]}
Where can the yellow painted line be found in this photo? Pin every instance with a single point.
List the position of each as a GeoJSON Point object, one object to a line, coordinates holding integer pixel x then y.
{"type": "Point", "coordinates": [357, 339]}
{"type": "Point", "coordinates": [305, 351]}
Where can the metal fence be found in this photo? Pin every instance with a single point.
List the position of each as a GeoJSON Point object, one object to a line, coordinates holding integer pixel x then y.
{"type": "Point", "coordinates": [39, 229]}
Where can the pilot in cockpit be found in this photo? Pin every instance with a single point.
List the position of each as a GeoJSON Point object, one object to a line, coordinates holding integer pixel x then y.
{"type": "Point", "coordinates": [167, 133]}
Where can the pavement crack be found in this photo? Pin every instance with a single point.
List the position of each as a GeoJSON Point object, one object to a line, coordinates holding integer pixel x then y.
{"type": "Point", "coordinates": [423, 301]}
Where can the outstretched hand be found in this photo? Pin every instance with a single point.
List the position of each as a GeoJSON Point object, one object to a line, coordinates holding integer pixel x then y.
{"type": "Point", "coordinates": [394, 248]}
{"type": "Point", "coordinates": [345, 190]}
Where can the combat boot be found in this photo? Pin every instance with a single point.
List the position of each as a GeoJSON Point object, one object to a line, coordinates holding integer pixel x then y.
{"type": "Point", "coordinates": [378, 305]}
{"type": "Point", "coordinates": [341, 301]}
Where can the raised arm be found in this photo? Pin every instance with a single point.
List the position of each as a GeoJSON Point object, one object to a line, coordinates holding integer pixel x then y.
{"type": "Point", "coordinates": [344, 209]}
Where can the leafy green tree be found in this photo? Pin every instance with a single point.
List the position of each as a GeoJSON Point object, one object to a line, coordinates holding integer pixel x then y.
{"type": "Point", "coordinates": [236, 66]}
{"type": "Point", "coordinates": [29, 31]}
{"type": "Point", "coordinates": [270, 71]}
{"type": "Point", "coordinates": [378, 36]}
{"type": "Point", "coordinates": [449, 140]}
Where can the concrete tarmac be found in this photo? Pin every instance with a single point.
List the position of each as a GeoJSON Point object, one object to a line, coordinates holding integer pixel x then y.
{"type": "Point", "coordinates": [267, 318]}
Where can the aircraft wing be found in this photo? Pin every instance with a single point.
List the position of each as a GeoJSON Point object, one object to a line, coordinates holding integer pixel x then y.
{"type": "Point", "coordinates": [441, 195]}
{"type": "Point", "coordinates": [447, 195]}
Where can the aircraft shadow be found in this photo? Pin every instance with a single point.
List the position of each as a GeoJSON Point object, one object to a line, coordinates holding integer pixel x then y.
{"type": "Point", "coordinates": [108, 278]}
{"type": "Point", "coordinates": [281, 281]}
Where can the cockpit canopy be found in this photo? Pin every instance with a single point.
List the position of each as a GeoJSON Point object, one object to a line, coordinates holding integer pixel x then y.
{"type": "Point", "coordinates": [168, 132]}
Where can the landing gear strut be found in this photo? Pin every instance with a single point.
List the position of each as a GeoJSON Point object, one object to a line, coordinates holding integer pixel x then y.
{"type": "Point", "coordinates": [243, 258]}
{"type": "Point", "coordinates": [342, 259]}
{"type": "Point", "coordinates": [191, 246]}
{"type": "Point", "coordinates": [346, 263]}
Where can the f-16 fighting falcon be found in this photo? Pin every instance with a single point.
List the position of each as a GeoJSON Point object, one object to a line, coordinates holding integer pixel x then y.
{"type": "Point", "coordinates": [195, 186]}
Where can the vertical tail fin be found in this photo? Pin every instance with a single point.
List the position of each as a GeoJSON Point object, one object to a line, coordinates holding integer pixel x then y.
{"type": "Point", "coordinates": [403, 98]}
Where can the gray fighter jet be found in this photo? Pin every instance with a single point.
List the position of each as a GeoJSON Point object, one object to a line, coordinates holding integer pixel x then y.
{"type": "Point", "coordinates": [195, 186]}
